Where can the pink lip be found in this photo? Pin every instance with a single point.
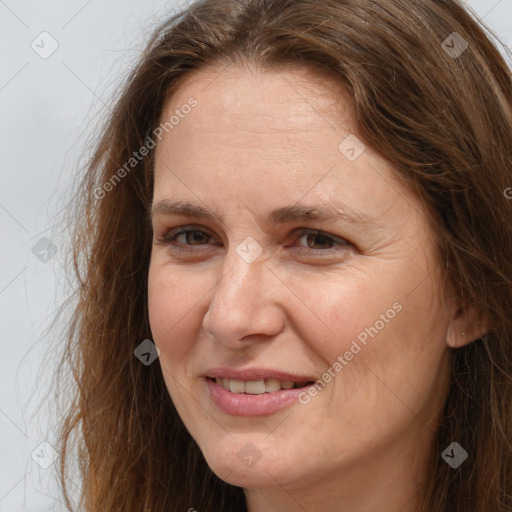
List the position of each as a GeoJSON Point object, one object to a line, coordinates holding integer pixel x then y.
{"type": "Point", "coordinates": [243, 404]}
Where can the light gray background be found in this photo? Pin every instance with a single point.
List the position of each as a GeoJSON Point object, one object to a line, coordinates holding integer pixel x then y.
{"type": "Point", "coordinates": [48, 108]}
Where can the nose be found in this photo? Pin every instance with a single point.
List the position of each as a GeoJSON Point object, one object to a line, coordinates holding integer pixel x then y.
{"type": "Point", "coordinates": [245, 306]}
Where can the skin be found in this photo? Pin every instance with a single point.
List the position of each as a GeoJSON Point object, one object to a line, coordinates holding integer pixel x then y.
{"type": "Point", "coordinates": [259, 140]}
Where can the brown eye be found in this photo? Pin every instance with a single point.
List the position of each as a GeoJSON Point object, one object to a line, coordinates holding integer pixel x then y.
{"type": "Point", "coordinates": [193, 237]}
{"type": "Point", "coordinates": [319, 242]}
{"type": "Point", "coordinates": [324, 241]}
{"type": "Point", "coordinates": [184, 239]}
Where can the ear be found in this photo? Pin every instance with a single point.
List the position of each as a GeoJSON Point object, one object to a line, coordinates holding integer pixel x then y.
{"type": "Point", "coordinates": [466, 325]}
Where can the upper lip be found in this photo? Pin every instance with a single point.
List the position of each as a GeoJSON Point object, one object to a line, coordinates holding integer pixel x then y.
{"type": "Point", "coordinates": [255, 374]}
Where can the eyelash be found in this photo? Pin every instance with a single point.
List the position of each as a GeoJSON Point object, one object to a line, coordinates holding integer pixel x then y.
{"type": "Point", "coordinates": [169, 239]}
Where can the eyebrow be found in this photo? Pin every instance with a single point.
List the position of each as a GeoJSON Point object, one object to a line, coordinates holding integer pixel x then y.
{"type": "Point", "coordinates": [318, 212]}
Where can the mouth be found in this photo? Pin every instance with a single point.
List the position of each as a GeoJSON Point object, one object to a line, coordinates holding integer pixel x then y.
{"type": "Point", "coordinates": [254, 392]}
{"type": "Point", "coordinates": [257, 387]}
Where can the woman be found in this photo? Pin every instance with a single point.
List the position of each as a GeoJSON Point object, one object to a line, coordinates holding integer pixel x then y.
{"type": "Point", "coordinates": [224, 357]}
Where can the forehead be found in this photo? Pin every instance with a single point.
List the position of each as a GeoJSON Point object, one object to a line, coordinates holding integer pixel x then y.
{"type": "Point", "coordinates": [247, 94]}
{"type": "Point", "coordinates": [269, 136]}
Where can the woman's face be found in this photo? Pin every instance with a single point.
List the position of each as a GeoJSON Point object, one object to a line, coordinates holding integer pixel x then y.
{"type": "Point", "coordinates": [296, 257]}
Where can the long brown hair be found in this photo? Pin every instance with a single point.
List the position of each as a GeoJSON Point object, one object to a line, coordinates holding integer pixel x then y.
{"type": "Point", "coordinates": [444, 122]}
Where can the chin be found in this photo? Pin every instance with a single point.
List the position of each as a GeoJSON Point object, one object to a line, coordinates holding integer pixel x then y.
{"type": "Point", "coordinates": [238, 462]}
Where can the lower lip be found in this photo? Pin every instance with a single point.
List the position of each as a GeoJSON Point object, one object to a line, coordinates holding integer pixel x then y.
{"type": "Point", "coordinates": [244, 404]}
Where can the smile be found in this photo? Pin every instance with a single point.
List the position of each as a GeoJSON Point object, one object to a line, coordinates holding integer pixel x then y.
{"type": "Point", "coordinates": [255, 397]}
{"type": "Point", "coordinates": [258, 387]}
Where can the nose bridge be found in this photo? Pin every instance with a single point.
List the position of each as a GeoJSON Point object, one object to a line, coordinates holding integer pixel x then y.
{"type": "Point", "coordinates": [238, 287]}
{"type": "Point", "coordinates": [237, 297]}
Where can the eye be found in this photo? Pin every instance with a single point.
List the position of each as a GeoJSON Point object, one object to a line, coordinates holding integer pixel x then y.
{"type": "Point", "coordinates": [328, 243]}
{"type": "Point", "coordinates": [190, 236]}
{"type": "Point", "coordinates": [185, 238]}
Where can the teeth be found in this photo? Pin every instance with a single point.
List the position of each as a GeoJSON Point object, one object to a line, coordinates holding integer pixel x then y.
{"type": "Point", "coordinates": [272, 385]}
{"type": "Point", "coordinates": [255, 387]}
{"type": "Point", "coordinates": [237, 386]}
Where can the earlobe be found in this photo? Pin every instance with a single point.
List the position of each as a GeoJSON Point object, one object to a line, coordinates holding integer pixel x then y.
{"type": "Point", "coordinates": [465, 327]}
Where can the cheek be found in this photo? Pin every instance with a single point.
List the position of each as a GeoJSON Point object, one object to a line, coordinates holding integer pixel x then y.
{"type": "Point", "coordinates": [334, 312]}
{"type": "Point", "coordinates": [173, 307]}
{"type": "Point", "coordinates": [377, 327]}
